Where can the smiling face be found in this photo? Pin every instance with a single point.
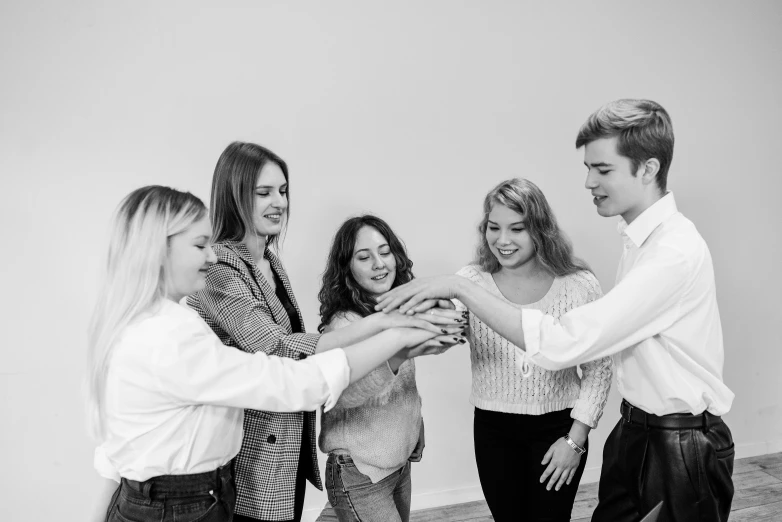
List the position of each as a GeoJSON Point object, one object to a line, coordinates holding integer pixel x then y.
{"type": "Point", "coordinates": [508, 238]}
{"type": "Point", "coordinates": [271, 201]}
{"type": "Point", "coordinates": [189, 256]}
{"type": "Point", "coordinates": [617, 190]}
{"type": "Point", "coordinates": [373, 264]}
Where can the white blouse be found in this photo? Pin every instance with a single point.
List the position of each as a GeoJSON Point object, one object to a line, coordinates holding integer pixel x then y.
{"type": "Point", "coordinates": [175, 395]}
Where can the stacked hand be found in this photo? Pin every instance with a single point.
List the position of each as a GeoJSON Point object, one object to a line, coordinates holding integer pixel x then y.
{"type": "Point", "coordinates": [432, 331]}
{"type": "Point", "coordinates": [419, 294]}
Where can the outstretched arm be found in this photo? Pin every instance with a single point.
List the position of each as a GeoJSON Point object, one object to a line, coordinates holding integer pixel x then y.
{"type": "Point", "coordinates": [500, 316]}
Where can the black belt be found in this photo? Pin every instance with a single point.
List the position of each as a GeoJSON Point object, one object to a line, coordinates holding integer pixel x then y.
{"type": "Point", "coordinates": [675, 421]}
{"type": "Point", "coordinates": [172, 482]}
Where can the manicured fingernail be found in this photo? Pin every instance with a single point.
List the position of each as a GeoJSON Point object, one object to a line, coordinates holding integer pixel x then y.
{"type": "Point", "coordinates": [456, 339]}
{"type": "Point", "coordinates": [462, 341]}
{"type": "Point", "coordinates": [459, 320]}
{"type": "Point", "coordinates": [444, 330]}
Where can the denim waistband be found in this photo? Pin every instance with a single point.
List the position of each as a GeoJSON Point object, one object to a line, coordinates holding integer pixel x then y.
{"type": "Point", "coordinates": [172, 486]}
{"type": "Point", "coordinates": [341, 458]}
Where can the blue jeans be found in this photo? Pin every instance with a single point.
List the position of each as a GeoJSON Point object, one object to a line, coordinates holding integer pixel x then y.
{"type": "Point", "coordinates": [202, 497]}
{"type": "Point", "coordinates": [356, 499]}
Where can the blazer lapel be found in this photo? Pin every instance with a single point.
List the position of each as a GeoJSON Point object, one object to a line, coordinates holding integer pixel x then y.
{"type": "Point", "coordinates": [278, 311]}
{"type": "Point", "coordinates": [280, 271]}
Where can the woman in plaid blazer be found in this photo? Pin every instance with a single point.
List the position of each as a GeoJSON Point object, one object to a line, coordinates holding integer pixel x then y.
{"type": "Point", "coordinates": [249, 303]}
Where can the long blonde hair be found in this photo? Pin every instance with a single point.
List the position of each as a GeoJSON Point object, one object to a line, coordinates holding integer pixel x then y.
{"type": "Point", "coordinates": [552, 248]}
{"type": "Point", "coordinates": [135, 277]}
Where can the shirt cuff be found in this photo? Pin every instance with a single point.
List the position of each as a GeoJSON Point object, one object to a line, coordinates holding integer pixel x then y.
{"type": "Point", "coordinates": [333, 364]}
{"type": "Point", "coordinates": [103, 465]}
{"type": "Point", "coordinates": [530, 323]}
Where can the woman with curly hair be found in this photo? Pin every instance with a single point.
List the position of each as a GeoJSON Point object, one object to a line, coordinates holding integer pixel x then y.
{"type": "Point", "coordinates": [375, 430]}
{"type": "Point", "coordinates": [248, 301]}
{"type": "Point", "coordinates": [165, 396]}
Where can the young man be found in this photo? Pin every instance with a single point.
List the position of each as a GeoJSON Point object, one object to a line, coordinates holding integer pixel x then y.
{"type": "Point", "coordinates": [660, 322]}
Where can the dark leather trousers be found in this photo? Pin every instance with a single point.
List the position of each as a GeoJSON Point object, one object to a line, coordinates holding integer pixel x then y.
{"type": "Point", "coordinates": [690, 470]}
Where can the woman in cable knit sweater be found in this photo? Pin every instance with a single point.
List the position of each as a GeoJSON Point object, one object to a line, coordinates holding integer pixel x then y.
{"type": "Point", "coordinates": [375, 429]}
{"type": "Point", "coordinates": [527, 468]}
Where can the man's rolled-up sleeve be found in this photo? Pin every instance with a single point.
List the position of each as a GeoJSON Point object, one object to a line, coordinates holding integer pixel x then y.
{"type": "Point", "coordinates": [645, 303]}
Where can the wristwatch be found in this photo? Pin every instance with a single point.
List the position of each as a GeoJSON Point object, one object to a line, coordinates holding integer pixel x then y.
{"type": "Point", "coordinates": [578, 449]}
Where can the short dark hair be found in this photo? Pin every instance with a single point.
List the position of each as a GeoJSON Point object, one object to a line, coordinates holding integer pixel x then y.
{"type": "Point", "coordinates": [643, 128]}
{"type": "Point", "coordinates": [339, 291]}
{"type": "Point", "coordinates": [233, 190]}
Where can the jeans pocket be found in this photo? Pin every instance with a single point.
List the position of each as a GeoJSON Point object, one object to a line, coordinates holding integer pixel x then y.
{"type": "Point", "coordinates": [196, 511]}
{"type": "Point", "coordinates": [128, 511]}
{"type": "Point", "coordinates": [352, 478]}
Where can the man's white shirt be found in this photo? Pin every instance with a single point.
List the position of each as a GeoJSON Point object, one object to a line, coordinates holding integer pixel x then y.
{"type": "Point", "coordinates": [660, 322]}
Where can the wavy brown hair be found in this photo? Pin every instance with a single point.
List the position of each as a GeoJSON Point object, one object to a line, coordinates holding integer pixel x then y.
{"type": "Point", "coordinates": [552, 248]}
{"type": "Point", "coordinates": [340, 292]}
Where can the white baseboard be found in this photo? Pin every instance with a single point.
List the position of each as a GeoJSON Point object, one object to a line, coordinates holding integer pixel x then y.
{"type": "Point", "coordinates": [591, 474]}
{"type": "Point", "coordinates": [447, 497]}
{"type": "Point", "coordinates": [753, 449]}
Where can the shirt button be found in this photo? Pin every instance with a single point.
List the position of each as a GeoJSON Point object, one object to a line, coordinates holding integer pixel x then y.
{"type": "Point", "coordinates": [271, 439]}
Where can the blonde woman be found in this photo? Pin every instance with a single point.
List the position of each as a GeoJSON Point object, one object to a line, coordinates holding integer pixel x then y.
{"type": "Point", "coordinates": [531, 424]}
{"type": "Point", "coordinates": [166, 397]}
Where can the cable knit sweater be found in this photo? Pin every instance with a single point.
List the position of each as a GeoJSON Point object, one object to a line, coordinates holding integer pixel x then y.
{"type": "Point", "coordinates": [377, 419]}
{"type": "Point", "coordinates": [497, 381]}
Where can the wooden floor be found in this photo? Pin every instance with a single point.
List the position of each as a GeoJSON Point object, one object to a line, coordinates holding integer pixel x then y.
{"type": "Point", "coordinates": [758, 497]}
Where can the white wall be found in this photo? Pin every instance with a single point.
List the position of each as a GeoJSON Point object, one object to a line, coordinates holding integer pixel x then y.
{"type": "Point", "coordinates": [412, 110]}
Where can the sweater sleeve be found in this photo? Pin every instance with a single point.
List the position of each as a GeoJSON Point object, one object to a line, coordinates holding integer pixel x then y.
{"type": "Point", "coordinates": [470, 273]}
{"type": "Point", "coordinates": [376, 383]}
{"type": "Point", "coordinates": [596, 375]}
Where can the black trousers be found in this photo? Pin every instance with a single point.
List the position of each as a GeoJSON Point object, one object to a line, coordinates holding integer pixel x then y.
{"type": "Point", "coordinates": [690, 470]}
{"type": "Point", "coordinates": [509, 449]}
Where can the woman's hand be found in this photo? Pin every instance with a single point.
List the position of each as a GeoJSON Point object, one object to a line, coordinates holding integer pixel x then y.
{"type": "Point", "coordinates": [397, 320]}
{"type": "Point", "coordinates": [562, 465]}
{"type": "Point", "coordinates": [435, 346]}
{"type": "Point", "coordinates": [562, 460]}
{"type": "Point", "coordinates": [416, 292]}
{"type": "Point", "coordinates": [428, 304]}
{"type": "Point", "coordinates": [445, 322]}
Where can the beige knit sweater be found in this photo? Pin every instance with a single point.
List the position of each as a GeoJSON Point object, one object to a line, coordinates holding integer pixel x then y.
{"type": "Point", "coordinates": [497, 381]}
{"type": "Point", "coordinates": [377, 419]}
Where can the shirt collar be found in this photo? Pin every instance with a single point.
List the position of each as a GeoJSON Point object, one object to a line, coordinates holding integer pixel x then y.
{"type": "Point", "coordinates": [643, 226]}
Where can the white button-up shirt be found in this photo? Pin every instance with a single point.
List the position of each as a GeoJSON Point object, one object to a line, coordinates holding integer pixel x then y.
{"type": "Point", "coordinates": [175, 395]}
{"type": "Point", "coordinates": [660, 322]}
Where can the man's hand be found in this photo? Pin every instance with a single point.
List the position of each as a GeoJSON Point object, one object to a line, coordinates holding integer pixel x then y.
{"type": "Point", "coordinates": [409, 296]}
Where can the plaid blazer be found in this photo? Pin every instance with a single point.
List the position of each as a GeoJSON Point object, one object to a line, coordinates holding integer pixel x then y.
{"type": "Point", "coordinates": [244, 311]}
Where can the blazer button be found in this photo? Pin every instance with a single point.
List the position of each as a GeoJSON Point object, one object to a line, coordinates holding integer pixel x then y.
{"type": "Point", "coordinates": [271, 439]}
{"type": "Point", "coordinates": [302, 356]}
